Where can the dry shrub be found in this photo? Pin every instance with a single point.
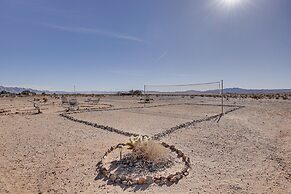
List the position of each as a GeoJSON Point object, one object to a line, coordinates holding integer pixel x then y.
{"type": "Point", "coordinates": [64, 100]}
{"type": "Point", "coordinates": [73, 102]}
{"type": "Point", "coordinates": [150, 150]}
{"type": "Point", "coordinates": [45, 100]}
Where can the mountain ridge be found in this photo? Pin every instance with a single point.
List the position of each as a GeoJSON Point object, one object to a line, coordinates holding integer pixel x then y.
{"type": "Point", "coordinates": [236, 90]}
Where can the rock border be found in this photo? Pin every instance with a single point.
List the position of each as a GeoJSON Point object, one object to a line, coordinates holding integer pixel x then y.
{"type": "Point", "coordinates": [156, 136]}
{"type": "Point", "coordinates": [91, 109]}
{"type": "Point", "coordinates": [159, 180]}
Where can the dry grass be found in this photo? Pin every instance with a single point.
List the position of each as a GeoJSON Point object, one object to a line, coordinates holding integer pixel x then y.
{"type": "Point", "coordinates": [150, 150]}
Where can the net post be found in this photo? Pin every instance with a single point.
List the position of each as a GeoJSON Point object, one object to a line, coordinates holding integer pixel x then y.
{"type": "Point", "coordinates": [144, 93]}
{"type": "Point", "coordinates": [222, 110]}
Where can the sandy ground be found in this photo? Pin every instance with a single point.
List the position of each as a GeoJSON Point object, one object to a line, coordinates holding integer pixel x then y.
{"type": "Point", "coordinates": [248, 151]}
{"type": "Point", "coordinates": [149, 121]}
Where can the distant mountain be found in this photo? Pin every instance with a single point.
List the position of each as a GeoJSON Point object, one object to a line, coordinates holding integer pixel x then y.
{"type": "Point", "coordinates": [226, 91]}
{"type": "Point", "coordinates": [249, 91]}
{"type": "Point", "coordinates": [17, 90]}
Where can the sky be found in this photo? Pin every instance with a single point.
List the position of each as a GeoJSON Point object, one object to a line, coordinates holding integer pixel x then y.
{"type": "Point", "coordinates": [119, 45]}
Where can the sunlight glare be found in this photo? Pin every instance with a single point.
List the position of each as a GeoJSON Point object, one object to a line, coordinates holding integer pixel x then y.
{"type": "Point", "coordinates": [231, 3]}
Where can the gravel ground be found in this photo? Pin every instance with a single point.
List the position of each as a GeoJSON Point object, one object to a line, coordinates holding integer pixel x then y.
{"type": "Point", "coordinates": [248, 151]}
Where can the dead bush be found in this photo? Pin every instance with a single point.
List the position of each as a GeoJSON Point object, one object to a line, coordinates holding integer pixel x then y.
{"type": "Point", "coordinates": [64, 100]}
{"type": "Point", "coordinates": [73, 102]}
{"type": "Point", "coordinates": [148, 149]}
{"type": "Point", "coordinates": [152, 151]}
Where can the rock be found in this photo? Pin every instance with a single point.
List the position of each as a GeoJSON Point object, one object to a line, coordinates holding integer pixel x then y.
{"type": "Point", "coordinates": [135, 181]}
{"type": "Point", "coordinates": [179, 176]}
{"type": "Point", "coordinates": [172, 147]}
{"type": "Point", "coordinates": [170, 177]}
{"type": "Point", "coordinates": [112, 177]}
{"type": "Point", "coordinates": [184, 158]}
{"type": "Point", "coordinates": [141, 181]}
{"type": "Point", "coordinates": [186, 173]}
{"type": "Point", "coordinates": [165, 145]}
{"type": "Point", "coordinates": [124, 182]}
{"type": "Point", "coordinates": [129, 183]}
{"type": "Point", "coordinates": [149, 180]}
{"type": "Point", "coordinates": [180, 154]}
{"type": "Point", "coordinates": [123, 178]}
{"type": "Point", "coordinates": [118, 180]}
{"type": "Point", "coordinates": [174, 179]}
{"type": "Point", "coordinates": [104, 172]}
{"type": "Point", "coordinates": [163, 179]}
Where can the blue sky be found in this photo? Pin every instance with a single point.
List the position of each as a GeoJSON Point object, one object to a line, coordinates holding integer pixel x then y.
{"type": "Point", "coordinates": [109, 44]}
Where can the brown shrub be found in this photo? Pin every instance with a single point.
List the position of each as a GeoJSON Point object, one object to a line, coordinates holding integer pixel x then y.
{"type": "Point", "coordinates": [150, 150]}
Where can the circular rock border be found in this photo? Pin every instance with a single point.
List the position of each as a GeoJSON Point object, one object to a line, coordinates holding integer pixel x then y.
{"type": "Point", "coordinates": [159, 180]}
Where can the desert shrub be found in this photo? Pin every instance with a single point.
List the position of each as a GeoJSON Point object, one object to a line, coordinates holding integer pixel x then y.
{"type": "Point", "coordinates": [36, 106]}
{"type": "Point", "coordinates": [64, 100]}
{"type": "Point", "coordinates": [135, 92]}
{"type": "Point", "coordinates": [143, 148]}
{"type": "Point", "coordinates": [95, 101]}
{"type": "Point", "coordinates": [73, 102]}
{"type": "Point", "coordinates": [151, 150]}
{"type": "Point", "coordinates": [285, 97]}
{"type": "Point", "coordinates": [27, 93]}
{"type": "Point", "coordinates": [4, 92]}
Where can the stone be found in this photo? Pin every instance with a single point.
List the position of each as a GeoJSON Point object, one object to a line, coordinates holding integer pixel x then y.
{"type": "Point", "coordinates": [180, 154]}
{"type": "Point", "coordinates": [165, 145]}
{"type": "Point", "coordinates": [112, 177]}
{"type": "Point", "coordinates": [141, 181]}
{"type": "Point", "coordinates": [184, 158]}
{"type": "Point", "coordinates": [163, 179]}
{"type": "Point", "coordinates": [123, 178]}
{"type": "Point", "coordinates": [149, 180]}
{"type": "Point", "coordinates": [170, 177]}
{"type": "Point", "coordinates": [130, 182]}
{"type": "Point", "coordinates": [186, 173]}
{"type": "Point", "coordinates": [118, 180]}
{"type": "Point", "coordinates": [124, 182]}
{"type": "Point", "coordinates": [157, 181]}
{"type": "Point", "coordinates": [135, 181]}
{"type": "Point", "coordinates": [104, 171]}
{"type": "Point", "coordinates": [174, 179]}
{"type": "Point", "coordinates": [179, 176]}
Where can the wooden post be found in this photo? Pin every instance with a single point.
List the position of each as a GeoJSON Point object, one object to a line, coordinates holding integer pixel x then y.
{"type": "Point", "coordinates": [222, 111]}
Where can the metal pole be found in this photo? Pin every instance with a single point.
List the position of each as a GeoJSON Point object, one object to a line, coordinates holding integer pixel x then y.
{"type": "Point", "coordinates": [144, 93]}
{"type": "Point", "coordinates": [222, 111]}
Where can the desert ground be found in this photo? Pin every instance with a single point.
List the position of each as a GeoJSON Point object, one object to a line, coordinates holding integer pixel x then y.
{"type": "Point", "coordinates": [247, 151]}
